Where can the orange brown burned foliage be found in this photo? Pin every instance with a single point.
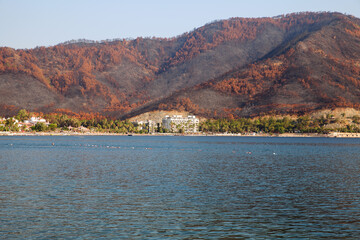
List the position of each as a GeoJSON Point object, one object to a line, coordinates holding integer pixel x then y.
{"type": "Point", "coordinates": [63, 66]}
{"type": "Point", "coordinates": [8, 110]}
{"type": "Point", "coordinates": [253, 79]}
{"type": "Point", "coordinates": [242, 29]}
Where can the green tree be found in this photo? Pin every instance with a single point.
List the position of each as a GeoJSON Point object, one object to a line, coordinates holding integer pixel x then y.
{"type": "Point", "coordinates": [356, 119]}
{"type": "Point", "coordinates": [22, 115]}
{"type": "Point", "coordinates": [11, 125]}
{"type": "Point", "coordinates": [39, 127]}
{"type": "Point", "coordinates": [52, 126]}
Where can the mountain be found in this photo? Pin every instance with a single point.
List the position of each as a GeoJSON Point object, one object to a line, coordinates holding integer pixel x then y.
{"type": "Point", "coordinates": [292, 63]}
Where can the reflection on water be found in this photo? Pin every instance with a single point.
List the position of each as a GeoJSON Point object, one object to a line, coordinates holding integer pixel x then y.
{"type": "Point", "coordinates": [179, 187]}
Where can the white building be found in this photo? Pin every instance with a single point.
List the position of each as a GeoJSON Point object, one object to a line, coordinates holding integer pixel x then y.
{"type": "Point", "coordinates": [13, 119]}
{"type": "Point", "coordinates": [179, 123]}
{"type": "Point", "coordinates": [35, 120]}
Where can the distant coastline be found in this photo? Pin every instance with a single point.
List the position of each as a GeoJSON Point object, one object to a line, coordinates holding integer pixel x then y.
{"type": "Point", "coordinates": [329, 135]}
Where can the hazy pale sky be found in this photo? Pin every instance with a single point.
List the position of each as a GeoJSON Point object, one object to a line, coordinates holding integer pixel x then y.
{"type": "Point", "coordinates": [31, 23]}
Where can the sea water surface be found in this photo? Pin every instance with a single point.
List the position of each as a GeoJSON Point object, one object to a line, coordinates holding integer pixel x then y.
{"type": "Point", "coordinates": [155, 187]}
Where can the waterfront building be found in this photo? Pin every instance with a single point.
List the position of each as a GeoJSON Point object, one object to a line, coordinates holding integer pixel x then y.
{"type": "Point", "coordinates": [178, 123]}
{"type": "Point", "coordinates": [35, 120]}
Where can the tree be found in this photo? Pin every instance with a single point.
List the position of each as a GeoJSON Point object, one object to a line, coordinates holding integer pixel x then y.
{"type": "Point", "coordinates": [39, 127]}
{"type": "Point", "coordinates": [52, 126]}
{"type": "Point", "coordinates": [11, 125]}
{"type": "Point", "coordinates": [22, 115]}
{"type": "Point", "coordinates": [356, 119]}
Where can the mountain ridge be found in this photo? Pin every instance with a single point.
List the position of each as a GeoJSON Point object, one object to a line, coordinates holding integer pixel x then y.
{"type": "Point", "coordinates": [121, 78]}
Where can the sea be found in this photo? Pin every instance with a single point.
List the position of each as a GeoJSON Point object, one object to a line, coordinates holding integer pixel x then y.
{"type": "Point", "coordinates": [179, 187]}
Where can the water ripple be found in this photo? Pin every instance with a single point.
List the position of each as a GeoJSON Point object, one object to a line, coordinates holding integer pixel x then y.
{"type": "Point", "coordinates": [179, 188]}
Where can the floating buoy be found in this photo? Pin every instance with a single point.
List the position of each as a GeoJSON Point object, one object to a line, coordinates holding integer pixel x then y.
{"type": "Point", "coordinates": [53, 144]}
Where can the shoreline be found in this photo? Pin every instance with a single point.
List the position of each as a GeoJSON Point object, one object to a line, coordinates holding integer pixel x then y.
{"type": "Point", "coordinates": [330, 135]}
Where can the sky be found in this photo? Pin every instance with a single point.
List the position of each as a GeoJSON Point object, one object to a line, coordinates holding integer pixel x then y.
{"type": "Point", "coordinates": [32, 23]}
